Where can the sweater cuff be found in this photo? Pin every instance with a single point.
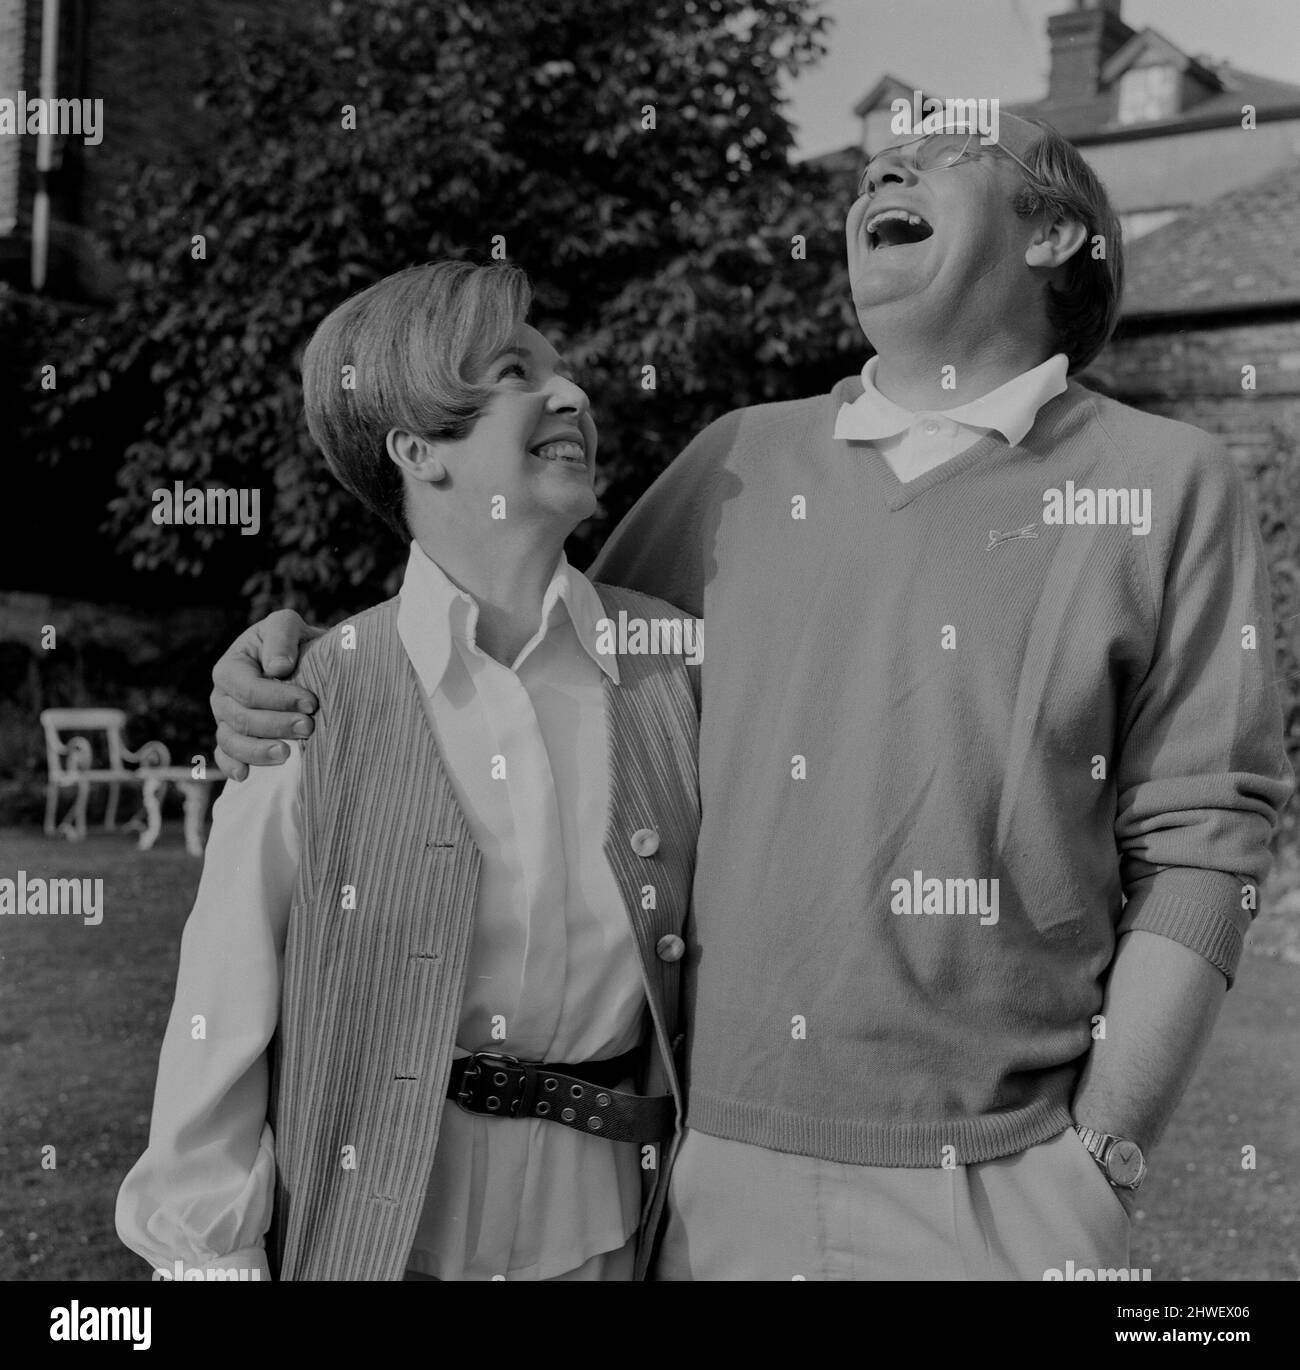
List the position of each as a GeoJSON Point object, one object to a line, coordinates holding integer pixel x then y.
{"type": "Point", "coordinates": [1202, 910]}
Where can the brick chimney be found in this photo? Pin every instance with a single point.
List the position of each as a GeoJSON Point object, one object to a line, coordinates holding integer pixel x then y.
{"type": "Point", "coordinates": [1083, 39]}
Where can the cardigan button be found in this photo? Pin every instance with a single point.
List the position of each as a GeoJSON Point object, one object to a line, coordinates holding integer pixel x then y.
{"type": "Point", "coordinates": [670, 947]}
{"type": "Point", "coordinates": [645, 841]}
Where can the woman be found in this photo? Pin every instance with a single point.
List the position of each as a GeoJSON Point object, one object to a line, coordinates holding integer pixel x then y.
{"type": "Point", "coordinates": [427, 1000]}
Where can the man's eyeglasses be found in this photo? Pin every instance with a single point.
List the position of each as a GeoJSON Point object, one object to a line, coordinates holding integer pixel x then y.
{"type": "Point", "coordinates": [932, 152]}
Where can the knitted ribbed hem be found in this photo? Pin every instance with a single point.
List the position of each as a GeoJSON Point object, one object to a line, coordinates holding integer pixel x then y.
{"type": "Point", "coordinates": [903, 1144]}
{"type": "Point", "coordinates": [1201, 910]}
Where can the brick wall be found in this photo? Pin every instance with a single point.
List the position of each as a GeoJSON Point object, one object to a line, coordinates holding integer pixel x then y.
{"type": "Point", "coordinates": [1195, 375]}
{"type": "Point", "coordinates": [146, 59]}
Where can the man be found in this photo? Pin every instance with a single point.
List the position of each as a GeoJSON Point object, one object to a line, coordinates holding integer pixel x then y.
{"type": "Point", "coordinates": [990, 755]}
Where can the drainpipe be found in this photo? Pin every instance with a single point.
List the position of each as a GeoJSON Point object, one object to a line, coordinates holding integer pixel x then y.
{"type": "Point", "coordinates": [45, 143]}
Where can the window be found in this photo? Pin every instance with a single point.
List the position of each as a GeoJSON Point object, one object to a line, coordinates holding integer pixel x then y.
{"type": "Point", "coordinates": [1148, 93]}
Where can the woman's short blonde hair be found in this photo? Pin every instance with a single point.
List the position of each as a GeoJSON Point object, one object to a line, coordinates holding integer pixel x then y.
{"type": "Point", "coordinates": [408, 352]}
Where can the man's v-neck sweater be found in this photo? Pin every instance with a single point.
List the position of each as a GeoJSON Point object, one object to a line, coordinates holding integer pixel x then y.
{"type": "Point", "coordinates": [944, 738]}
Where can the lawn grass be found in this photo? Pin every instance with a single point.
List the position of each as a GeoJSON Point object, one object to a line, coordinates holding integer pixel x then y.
{"type": "Point", "coordinates": [83, 1009]}
{"type": "Point", "coordinates": [82, 1013]}
{"type": "Point", "coordinates": [1202, 1216]}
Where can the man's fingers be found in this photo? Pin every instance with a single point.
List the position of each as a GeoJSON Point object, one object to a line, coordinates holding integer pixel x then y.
{"type": "Point", "coordinates": [283, 635]}
{"type": "Point", "coordinates": [230, 768]}
{"type": "Point", "coordinates": [239, 683]}
{"type": "Point", "coordinates": [251, 709]}
{"type": "Point", "coordinates": [251, 751]}
{"type": "Point", "coordinates": [258, 723]}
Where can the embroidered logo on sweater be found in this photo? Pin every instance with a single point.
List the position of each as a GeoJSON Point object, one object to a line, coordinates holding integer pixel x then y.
{"type": "Point", "coordinates": [1030, 530]}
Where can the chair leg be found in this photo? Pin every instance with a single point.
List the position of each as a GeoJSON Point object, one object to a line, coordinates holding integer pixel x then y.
{"type": "Point", "coordinates": [196, 804]}
{"type": "Point", "coordinates": [110, 814]}
{"type": "Point", "coordinates": [154, 789]}
{"type": "Point", "coordinates": [51, 807]}
{"type": "Point", "coordinates": [138, 819]}
{"type": "Point", "coordinates": [78, 831]}
{"type": "Point", "coordinates": [73, 826]}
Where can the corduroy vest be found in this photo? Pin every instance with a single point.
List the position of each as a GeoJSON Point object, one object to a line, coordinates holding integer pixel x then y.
{"type": "Point", "coordinates": [379, 936]}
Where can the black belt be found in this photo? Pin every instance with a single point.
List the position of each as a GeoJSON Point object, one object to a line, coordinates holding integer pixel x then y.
{"type": "Point", "coordinates": [582, 1097]}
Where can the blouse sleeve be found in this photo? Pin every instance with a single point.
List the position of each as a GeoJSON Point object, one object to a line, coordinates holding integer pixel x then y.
{"type": "Point", "coordinates": [201, 1194]}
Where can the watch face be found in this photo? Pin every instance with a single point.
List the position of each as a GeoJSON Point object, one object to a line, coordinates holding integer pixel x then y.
{"type": "Point", "coordinates": [1125, 1165]}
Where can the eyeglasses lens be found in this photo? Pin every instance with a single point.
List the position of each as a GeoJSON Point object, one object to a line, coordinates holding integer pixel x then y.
{"type": "Point", "coordinates": [929, 153]}
{"type": "Point", "coordinates": [940, 150]}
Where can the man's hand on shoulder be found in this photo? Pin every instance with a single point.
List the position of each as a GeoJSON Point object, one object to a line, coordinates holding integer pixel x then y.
{"type": "Point", "coordinates": [250, 704]}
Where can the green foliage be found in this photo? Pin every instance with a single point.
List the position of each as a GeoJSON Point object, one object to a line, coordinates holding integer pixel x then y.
{"type": "Point", "coordinates": [25, 321]}
{"type": "Point", "coordinates": [667, 247]}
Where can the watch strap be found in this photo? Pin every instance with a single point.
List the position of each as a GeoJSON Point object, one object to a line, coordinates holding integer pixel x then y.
{"type": "Point", "coordinates": [1096, 1143]}
{"type": "Point", "coordinates": [1099, 1146]}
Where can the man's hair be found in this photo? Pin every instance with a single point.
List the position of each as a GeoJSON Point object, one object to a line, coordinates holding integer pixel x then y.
{"type": "Point", "coordinates": [1084, 311]}
{"type": "Point", "coordinates": [417, 343]}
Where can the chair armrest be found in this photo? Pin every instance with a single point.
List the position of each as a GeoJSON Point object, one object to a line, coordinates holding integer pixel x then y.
{"type": "Point", "coordinates": [151, 755]}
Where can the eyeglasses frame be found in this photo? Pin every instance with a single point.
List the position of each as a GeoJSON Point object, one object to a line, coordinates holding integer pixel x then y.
{"type": "Point", "coordinates": [920, 171]}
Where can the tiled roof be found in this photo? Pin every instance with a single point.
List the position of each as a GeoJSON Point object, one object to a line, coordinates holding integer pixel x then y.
{"type": "Point", "coordinates": [1237, 252]}
{"type": "Point", "coordinates": [1093, 119]}
{"type": "Point", "coordinates": [844, 164]}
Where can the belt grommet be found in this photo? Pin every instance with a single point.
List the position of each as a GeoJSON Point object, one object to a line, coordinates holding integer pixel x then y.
{"type": "Point", "coordinates": [493, 1101]}
{"type": "Point", "coordinates": [500, 1078]}
{"type": "Point", "coordinates": [594, 1123]}
{"type": "Point", "coordinates": [575, 1091]}
{"type": "Point", "coordinates": [550, 1084]}
{"type": "Point", "coordinates": [541, 1108]}
{"type": "Point", "coordinates": [568, 1114]}
{"type": "Point", "coordinates": [602, 1100]}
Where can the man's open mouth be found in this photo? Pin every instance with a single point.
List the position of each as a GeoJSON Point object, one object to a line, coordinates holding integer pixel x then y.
{"type": "Point", "coordinates": [896, 228]}
{"type": "Point", "coordinates": [563, 450]}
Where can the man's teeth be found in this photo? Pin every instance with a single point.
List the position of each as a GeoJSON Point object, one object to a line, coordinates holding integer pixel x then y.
{"type": "Point", "coordinates": [900, 214]}
{"type": "Point", "coordinates": [561, 451]}
{"type": "Point", "coordinates": [885, 215]}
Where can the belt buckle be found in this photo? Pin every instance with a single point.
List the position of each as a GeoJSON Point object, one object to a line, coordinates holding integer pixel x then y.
{"type": "Point", "coordinates": [483, 1068]}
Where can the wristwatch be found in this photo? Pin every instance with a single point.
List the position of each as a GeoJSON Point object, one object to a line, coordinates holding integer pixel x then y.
{"type": "Point", "coordinates": [1121, 1160]}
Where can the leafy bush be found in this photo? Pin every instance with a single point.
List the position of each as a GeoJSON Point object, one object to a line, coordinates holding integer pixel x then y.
{"type": "Point", "coordinates": [633, 157]}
